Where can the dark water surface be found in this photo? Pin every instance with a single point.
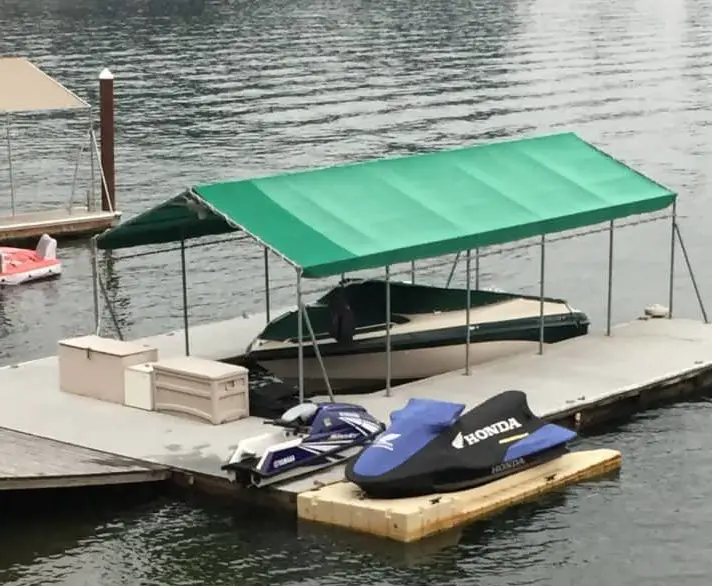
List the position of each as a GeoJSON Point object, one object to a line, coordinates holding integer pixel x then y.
{"type": "Point", "coordinates": [210, 90]}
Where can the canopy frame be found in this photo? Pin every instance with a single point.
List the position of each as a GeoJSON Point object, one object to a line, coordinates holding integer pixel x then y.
{"type": "Point", "coordinates": [200, 206]}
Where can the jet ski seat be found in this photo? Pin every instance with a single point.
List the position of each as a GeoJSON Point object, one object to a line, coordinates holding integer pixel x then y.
{"type": "Point", "coordinates": [296, 417]}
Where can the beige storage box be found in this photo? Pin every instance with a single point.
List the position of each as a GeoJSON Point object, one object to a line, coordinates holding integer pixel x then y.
{"type": "Point", "coordinates": [138, 386]}
{"type": "Point", "coordinates": [205, 389]}
{"type": "Point", "coordinates": [95, 367]}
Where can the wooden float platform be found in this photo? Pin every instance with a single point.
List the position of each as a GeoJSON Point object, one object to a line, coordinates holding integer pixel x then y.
{"type": "Point", "coordinates": [411, 519]}
{"type": "Point", "coordinates": [59, 223]}
{"type": "Point", "coordinates": [585, 380]}
{"type": "Point", "coordinates": [30, 462]}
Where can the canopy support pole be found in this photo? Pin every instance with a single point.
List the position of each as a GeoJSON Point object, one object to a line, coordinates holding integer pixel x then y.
{"type": "Point", "coordinates": [477, 269]}
{"type": "Point", "coordinates": [467, 318]}
{"type": "Point", "coordinates": [388, 331]}
{"type": "Point", "coordinates": [412, 272]}
{"type": "Point", "coordinates": [9, 163]}
{"type": "Point", "coordinates": [452, 270]}
{"type": "Point", "coordinates": [683, 248]}
{"type": "Point", "coordinates": [110, 307]}
{"type": "Point", "coordinates": [672, 258]}
{"type": "Point", "coordinates": [541, 294]}
{"type": "Point", "coordinates": [184, 282]}
{"type": "Point", "coordinates": [267, 283]}
{"type": "Point", "coordinates": [318, 354]}
{"type": "Point", "coordinates": [300, 335]}
{"type": "Point", "coordinates": [95, 282]}
{"type": "Point", "coordinates": [609, 303]}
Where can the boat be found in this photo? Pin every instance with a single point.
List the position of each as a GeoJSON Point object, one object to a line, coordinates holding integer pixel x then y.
{"type": "Point", "coordinates": [431, 447]}
{"type": "Point", "coordinates": [428, 333]}
{"type": "Point", "coordinates": [21, 265]}
{"type": "Point", "coordinates": [313, 436]}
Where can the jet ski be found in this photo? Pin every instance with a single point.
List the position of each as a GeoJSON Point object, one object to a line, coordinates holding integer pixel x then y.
{"type": "Point", "coordinates": [431, 447]}
{"type": "Point", "coordinates": [312, 436]}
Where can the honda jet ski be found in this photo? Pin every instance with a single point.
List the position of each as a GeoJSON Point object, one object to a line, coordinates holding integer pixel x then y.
{"type": "Point", "coordinates": [430, 447]}
{"type": "Point", "coordinates": [312, 436]}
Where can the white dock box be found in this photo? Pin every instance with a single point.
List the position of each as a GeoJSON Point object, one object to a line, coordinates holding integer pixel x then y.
{"type": "Point", "coordinates": [206, 389]}
{"type": "Point", "coordinates": [138, 385]}
{"type": "Point", "coordinates": [95, 367]}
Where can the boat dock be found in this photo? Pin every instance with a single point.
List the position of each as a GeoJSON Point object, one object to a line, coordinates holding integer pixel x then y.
{"type": "Point", "coordinates": [583, 381]}
{"type": "Point", "coordinates": [29, 462]}
{"type": "Point", "coordinates": [27, 92]}
{"type": "Point", "coordinates": [59, 223]}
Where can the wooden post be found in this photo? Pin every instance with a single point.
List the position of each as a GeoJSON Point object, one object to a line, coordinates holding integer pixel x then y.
{"type": "Point", "coordinates": [106, 125]}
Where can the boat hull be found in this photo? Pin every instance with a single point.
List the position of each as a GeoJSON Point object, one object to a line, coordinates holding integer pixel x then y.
{"type": "Point", "coordinates": [367, 372]}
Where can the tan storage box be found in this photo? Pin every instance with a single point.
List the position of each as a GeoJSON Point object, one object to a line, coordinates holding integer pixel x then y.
{"type": "Point", "coordinates": [205, 389]}
{"type": "Point", "coordinates": [95, 367]}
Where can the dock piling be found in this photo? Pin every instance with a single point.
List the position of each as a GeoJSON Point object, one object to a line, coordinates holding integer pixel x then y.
{"type": "Point", "coordinates": [106, 124]}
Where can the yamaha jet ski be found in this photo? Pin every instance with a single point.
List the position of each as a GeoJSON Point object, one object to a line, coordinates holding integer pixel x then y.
{"type": "Point", "coordinates": [312, 436]}
{"type": "Point", "coordinates": [430, 447]}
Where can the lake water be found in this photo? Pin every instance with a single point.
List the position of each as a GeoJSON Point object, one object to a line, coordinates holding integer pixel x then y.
{"type": "Point", "coordinates": [211, 90]}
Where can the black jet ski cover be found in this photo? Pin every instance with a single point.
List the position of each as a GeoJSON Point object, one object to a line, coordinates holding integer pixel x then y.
{"type": "Point", "coordinates": [430, 448]}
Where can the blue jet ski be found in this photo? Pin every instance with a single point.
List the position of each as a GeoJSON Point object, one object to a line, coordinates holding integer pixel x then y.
{"type": "Point", "coordinates": [430, 447]}
{"type": "Point", "coordinates": [312, 436]}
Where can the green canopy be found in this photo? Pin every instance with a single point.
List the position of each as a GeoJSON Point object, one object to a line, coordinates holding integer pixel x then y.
{"type": "Point", "coordinates": [376, 213]}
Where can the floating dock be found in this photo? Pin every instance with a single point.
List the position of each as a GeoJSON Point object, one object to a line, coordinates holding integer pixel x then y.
{"type": "Point", "coordinates": [30, 462]}
{"type": "Point", "coordinates": [58, 223]}
{"type": "Point", "coordinates": [579, 382]}
{"type": "Point", "coordinates": [342, 504]}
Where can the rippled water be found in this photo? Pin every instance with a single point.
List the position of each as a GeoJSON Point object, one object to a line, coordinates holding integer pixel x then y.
{"type": "Point", "coordinates": [209, 90]}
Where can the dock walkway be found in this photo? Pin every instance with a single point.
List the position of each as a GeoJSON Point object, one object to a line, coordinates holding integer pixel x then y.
{"type": "Point", "coordinates": [31, 462]}
{"type": "Point", "coordinates": [59, 223]}
{"type": "Point", "coordinates": [573, 376]}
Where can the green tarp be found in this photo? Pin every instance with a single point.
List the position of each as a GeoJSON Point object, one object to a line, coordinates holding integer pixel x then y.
{"type": "Point", "coordinates": [370, 214]}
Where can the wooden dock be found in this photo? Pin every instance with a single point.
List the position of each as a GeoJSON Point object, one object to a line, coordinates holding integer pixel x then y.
{"type": "Point", "coordinates": [59, 223]}
{"type": "Point", "coordinates": [580, 381]}
{"type": "Point", "coordinates": [31, 462]}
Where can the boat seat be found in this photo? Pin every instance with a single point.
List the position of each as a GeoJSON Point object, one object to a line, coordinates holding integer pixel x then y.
{"type": "Point", "coordinates": [342, 323]}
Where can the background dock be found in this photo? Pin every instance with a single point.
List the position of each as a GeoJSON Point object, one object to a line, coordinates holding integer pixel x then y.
{"type": "Point", "coordinates": [30, 462]}
{"type": "Point", "coordinates": [58, 223]}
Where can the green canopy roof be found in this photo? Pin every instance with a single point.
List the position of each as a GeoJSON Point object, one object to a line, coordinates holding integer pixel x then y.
{"type": "Point", "coordinates": [375, 213]}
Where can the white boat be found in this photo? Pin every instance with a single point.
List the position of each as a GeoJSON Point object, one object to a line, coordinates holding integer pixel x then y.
{"type": "Point", "coordinates": [428, 333]}
{"type": "Point", "coordinates": [21, 265]}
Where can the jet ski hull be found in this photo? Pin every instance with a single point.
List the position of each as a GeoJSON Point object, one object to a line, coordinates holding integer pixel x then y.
{"type": "Point", "coordinates": [313, 437]}
{"type": "Point", "coordinates": [430, 448]}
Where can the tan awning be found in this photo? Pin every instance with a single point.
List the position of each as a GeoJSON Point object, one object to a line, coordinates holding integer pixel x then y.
{"type": "Point", "coordinates": [25, 88]}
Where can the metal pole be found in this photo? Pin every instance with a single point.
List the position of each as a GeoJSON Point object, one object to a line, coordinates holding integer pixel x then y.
{"type": "Point", "coordinates": [609, 305]}
{"type": "Point", "coordinates": [452, 270]}
{"type": "Point", "coordinates": [388, 331]}
{"type": "Point", "coordinates": [318, 355]}
{"type": "Point", "coordinates": [9, 163]}
{"type": "Point", "coordinates": [412, 272]}
{"type": "Point", "coordinates": [541, 294]}
{"type": "Point", "coordinates": [672, 258]}
{"type": "Point", "coordinates": [95, 283]}
{"type": "Point", "coordinates": [185, 296]}
{"type": "Point", "coordinates": [477, 269]}
{"type": "Point", "coordinates": [467, 316]}
{"type": "Point", "coordinates": [300, 335]}
{"type": "Point", "coordinates": [267, 282]}
{"type": "Point", "coordinates": [692, 274]}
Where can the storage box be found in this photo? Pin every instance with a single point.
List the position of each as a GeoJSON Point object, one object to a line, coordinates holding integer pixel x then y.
{"type": "Point", "coordinates": [205, 389]}
{"type": "Point", "coordinates": [138, 386]}
{"type": "Point", "coordinates": [95, 367]}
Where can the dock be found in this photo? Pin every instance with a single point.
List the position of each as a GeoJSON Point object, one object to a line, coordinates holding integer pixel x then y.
{"type": "Point", "coordinates": [29, 462]}
{"type": "Point", "coordinates": [646, 362]}
{"type": "Point", "coordinates": [411, 519]}
{"type": "Point", "coordinates": [58, 223]}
